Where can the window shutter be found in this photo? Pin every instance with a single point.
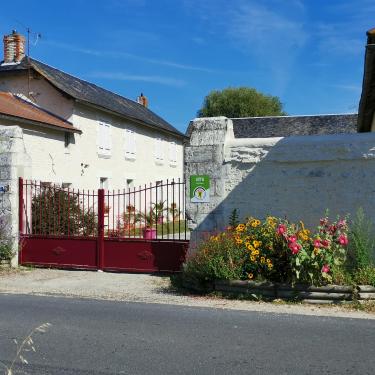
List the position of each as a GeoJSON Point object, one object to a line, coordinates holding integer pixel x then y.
{"type": "Point", "coordinates": [173, 152]}
{"type": "Point", "coordinates": [108, 138]}
{"type": "Point", "coordinates": [101, 136]}
{"type": "Point", "coordinates": [133, 143]}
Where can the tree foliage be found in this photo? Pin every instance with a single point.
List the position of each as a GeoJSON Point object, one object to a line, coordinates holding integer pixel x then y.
{"type": "Point", "coordinates": [240, 102]}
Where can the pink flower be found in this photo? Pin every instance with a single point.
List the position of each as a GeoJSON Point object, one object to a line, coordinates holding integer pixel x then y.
{"type": "Point", "coordinates": [292, 238]}
{"type": "Point", "coordinates": [325, 243]}
{"type": "Point", "coordinates": [341, 223]}
{"type": "Point", "coordinates": [323, 221]}
{"type": "Point", "coordinates": [332, 229]}
{"type": "Point", "coordinates": [317, 243]}
{"type": "Point", "coordinates": [281, 229]}
{"type": "Point", "coordinates": [343, 240]}
{"type": "Point", "coordinates": [295, 247]}
{"type": "Point", "coordinates": [325, 268]}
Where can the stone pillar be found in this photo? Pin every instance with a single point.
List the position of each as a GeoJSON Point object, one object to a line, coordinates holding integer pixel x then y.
{"type": "Point", "coordinates": [204, 155]}
{"type": "Point", "coordinates": [14, 163]}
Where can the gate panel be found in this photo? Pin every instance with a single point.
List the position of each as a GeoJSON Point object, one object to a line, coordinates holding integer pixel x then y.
{"type": "Point", "coordinates": [144, 256]}
{"type": "Point", "coordinates": [59, 252]}
{"type": "Point", "coordinates": [136, 230]}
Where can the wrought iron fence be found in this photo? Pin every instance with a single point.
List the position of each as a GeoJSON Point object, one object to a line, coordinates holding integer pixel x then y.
{"type": "Point", "coordinates": [153, 211]}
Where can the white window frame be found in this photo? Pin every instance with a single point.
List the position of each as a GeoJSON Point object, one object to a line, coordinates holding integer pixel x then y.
{"type": "Point", "coordinates": [159, 151]}
{"type": "Point", "coordinates": [130, 144]}
{"type": "Point", "coordinates": [172, 153]}
{"type": "Point", "coordinates": [104, 139]}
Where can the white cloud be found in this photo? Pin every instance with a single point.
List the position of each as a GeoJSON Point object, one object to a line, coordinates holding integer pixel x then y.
{"type": "Point", "coordinates": [271, 32]}
{"type": "Point", "coordinates": [348, 87]}
{"type": "Point", "coordinates": [142, 78]}
{"type": "Point", "coordinates": [126, 55]}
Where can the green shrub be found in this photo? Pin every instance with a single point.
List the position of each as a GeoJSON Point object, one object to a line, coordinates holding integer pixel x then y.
{"type": "Point", "coordinates": [6, 241]}
{"type": "Point", "coordinates": [361, 242]}
{"type": "Point", "coordinates": [55, 211]}
{"type": "Point", "coordinates": [365, 276]}
{"type": "Point", "coordinates": [216, 258]}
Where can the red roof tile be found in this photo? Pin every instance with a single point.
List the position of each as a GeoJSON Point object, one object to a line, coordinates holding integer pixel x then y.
{"type": "Point", "coordinates": [14, 106]}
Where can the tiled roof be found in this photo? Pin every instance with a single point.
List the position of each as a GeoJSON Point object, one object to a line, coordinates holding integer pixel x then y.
{"type": "Point", "coordinates": [16, 107]}
{"type": "Point", "coordinates": [89, 93]}
{"type": "Point", "coordinates": [284, 126]}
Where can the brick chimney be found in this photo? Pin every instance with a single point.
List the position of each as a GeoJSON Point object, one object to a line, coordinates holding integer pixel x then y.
{"type": "Point", "coordinates": [14, 47]}
{"type": "Point", "coordinates": [142, 100]}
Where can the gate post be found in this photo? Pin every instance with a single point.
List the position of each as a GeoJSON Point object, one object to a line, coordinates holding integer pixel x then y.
{"type": "Point", "coordinates": [20, 218]}
{"type": "Point", "coordinates": [100, 240]}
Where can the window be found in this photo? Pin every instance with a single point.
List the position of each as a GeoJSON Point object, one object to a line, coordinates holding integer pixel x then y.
{"type": "Point", "coordinates": [104, 139]}
{"type": "Point", "coordinates": [129, 183]}
{"type": "Point", "coordinates": [103, 182]}
{"type": "Point", "coordinates": [67, 140]}
{"type": "Point", "coordinates": [172, 152]}
{"type": "Point", "coordinates": [159, 152]}
{"type": "Point", "coordinates": [130, 144]}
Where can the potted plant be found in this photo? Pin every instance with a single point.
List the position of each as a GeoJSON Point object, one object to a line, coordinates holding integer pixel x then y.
{"type": "Point", "coordinates": [159, 209]}
{"type": "Point", "coordinates": [149, 220]}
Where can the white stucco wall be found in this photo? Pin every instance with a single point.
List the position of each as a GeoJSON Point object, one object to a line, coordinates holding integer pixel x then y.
{"type": "Point", "coordinates": [80, 164]}
{"type": "Point", "coordinates": [297, 177]}
{"type": "Point", "coordinates": [44, 94]}
{"type": "Point", "coordinates": [14, 163]}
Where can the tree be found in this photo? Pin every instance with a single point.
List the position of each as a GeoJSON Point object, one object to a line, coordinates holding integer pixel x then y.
{"type": "Point", "coordinates": [240, 102]}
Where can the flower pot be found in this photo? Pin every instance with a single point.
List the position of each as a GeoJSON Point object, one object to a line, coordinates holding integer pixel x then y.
{"type": "Point", "coordinates": [149, 233]}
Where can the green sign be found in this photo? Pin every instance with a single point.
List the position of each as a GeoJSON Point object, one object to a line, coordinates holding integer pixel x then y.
{"type": "Point", "coordinates": [200, 189]}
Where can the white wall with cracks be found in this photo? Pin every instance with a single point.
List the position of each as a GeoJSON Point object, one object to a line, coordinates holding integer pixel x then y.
{"type": "Point", "coordinates": [297, 177]}
{"type": "Point", "coordinates": [14, 163]}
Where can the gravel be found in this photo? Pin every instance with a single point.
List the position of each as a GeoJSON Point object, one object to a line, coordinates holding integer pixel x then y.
{"type": "Point", "coordinates": [143, 288]}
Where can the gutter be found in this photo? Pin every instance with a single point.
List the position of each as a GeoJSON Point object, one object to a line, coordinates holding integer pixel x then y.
{"type": "Point", "coordinates": [41, 124]}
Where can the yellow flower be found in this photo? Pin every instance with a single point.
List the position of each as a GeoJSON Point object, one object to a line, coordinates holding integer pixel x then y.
{"type": "Point", "coordinates": [271, 221]}
{"type": "Point", "coordinates": [262, 260]}
{"type": "Point", "coordinates": [250, 275]}
{"type": "Point", "coordinates": [250, 248]}
{"type": "Point", "coordinates": [240, 228]}
{"type": "Point", "coordinates": [239, 241]}
{"type": "Point", "coordinates": [268, 260]}
{"type": "Point", "coordinates": [256, 244]}
{"type": "Point", "coordinates": [270, 266]}
{"type": "Point", "coordinates": [252, 258]}
{"type": "Point", "coordinates": [256, 252]}
{"type": "Point", "coordinates": [255, 223]}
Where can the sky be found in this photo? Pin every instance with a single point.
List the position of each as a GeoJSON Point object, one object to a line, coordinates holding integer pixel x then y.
{"type": "Point", "coordinates": [309, 53]}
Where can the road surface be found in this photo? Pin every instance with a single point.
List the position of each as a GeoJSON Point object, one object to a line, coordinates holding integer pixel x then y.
{"type": "Point", "coordinates": [108, 337]}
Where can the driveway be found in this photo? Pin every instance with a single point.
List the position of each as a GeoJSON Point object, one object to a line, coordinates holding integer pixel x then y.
{"type": "Point", "coordinates": [142, 288]}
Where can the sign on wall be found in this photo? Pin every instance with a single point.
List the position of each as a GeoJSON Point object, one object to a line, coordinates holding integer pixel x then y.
{"type": "Point", "coordinates": [199, 189]}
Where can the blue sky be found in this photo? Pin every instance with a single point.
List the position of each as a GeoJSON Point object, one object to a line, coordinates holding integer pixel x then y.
{"type": "Point", "coordinates": [309, 53]}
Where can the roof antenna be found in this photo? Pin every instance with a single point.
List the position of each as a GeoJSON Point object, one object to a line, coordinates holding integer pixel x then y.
{"type": "Point", "coordinates": [37, 37]}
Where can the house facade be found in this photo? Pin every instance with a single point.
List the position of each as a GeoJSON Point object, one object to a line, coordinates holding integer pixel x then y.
{"type": "Point", "coordinates": [109, 141]}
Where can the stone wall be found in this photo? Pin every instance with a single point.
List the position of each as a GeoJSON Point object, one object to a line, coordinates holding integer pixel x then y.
{"type": "Point", "coordinates": [297, 177]}
{"type": "Point", "coordinates": [14, 163]}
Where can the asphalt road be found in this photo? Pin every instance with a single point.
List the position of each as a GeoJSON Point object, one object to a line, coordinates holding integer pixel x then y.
{"type": "Point", "coordinates": [106, 337]}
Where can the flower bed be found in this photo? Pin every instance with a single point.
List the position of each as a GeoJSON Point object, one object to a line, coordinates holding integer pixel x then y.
{"type": "Point", "coordinates": [273, 250]}
{"type": "Point", "coordinates": [275, 258]}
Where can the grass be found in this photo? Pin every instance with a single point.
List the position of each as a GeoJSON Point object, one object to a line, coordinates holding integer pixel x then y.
{"type": "Point", "coordinates": [162, 229]}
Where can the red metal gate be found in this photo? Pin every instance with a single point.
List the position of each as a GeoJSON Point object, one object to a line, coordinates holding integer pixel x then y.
{"type": "Point", "coordinates": [136, 230]}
